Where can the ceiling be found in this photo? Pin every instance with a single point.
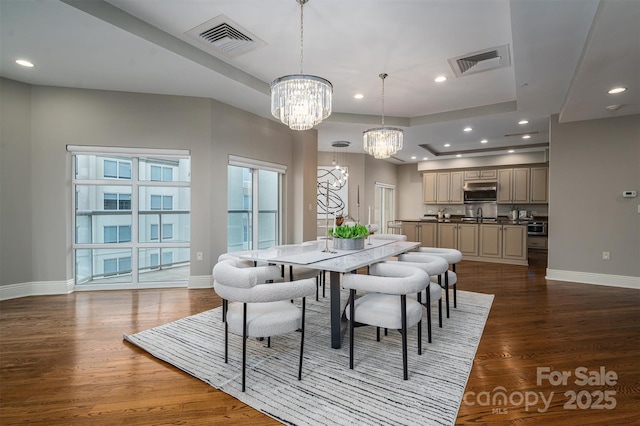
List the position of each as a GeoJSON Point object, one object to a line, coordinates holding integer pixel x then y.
{"type": "Point", "coordinates": [562, 58]}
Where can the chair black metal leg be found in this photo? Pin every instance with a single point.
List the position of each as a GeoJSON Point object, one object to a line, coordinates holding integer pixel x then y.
{"type": "Point", "coordinates": [403, 307]}
{"type": "Point", "coordinates": [324, 282]}
{"type": "Point", "coordinates": [420, 337]}
{"type": "Point", "coordinates": [455, 296]}
{"type": "Point", "coordinates": [244, 344]}
{"type": "Point", "coordinates": [440, 312]}
{"type": "Point", "coordinates": [226, 342]}
{"type": "Point", "coordinates": [455, 301]}
{"type": "Point", "coordinates": [269, 341]}
{"type": "Point", "coordinates": [352, 315]}
{"type": "Point", "coordinates": [317, 286]}
{"type": "Point", "coordinates": [378, 334]}
{"type": "Point", "coordinates": [429, 312]}
{"type": "Point", "coordinates": [225, 305]}
{"type": "Point", "coordinates": [302, 339]}
{"type": "Point", "coordinates": [446, 287]}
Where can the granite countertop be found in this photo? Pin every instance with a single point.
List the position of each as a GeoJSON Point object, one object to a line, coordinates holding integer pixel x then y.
{"type": "Point", "coordinates": [502, 220]}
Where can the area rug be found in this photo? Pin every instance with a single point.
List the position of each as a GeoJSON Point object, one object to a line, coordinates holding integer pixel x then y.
{"type": "Point", "coordinates": [373, 393]}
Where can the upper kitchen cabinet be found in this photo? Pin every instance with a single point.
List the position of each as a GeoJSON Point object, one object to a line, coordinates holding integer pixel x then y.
{"type": "Point", "coordinates": [513, 186]}
{"type": "Point", "coordinates": [429, 189]}
{"type": "Point", "coordinates": [539, 185]}
{"type": "Point", "coordinates": [449, 187]}
{"type": "Point", "coordinates": [488, 174]}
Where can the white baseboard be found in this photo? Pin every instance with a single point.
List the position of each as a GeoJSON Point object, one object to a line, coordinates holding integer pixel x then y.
{"type": "Point", "coordinates": [592, 278]}
{"type": "Point", "coordinates": [40, 288]}
{"type": "Point", "coordinates": [202, 281]}
{"type": "Point", "coordinates": [48, 288]}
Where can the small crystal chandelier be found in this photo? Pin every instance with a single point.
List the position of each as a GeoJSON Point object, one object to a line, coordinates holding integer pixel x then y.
{"type": "Point", "coordinates": [341, 173]}
{"type": "Point", "coordinates": [383, 142]}
{"type": "Point", "coordinates": [298, 100]}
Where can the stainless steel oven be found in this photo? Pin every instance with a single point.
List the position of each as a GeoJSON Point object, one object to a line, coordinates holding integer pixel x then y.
{"type": "Point", "coordinates": [537, 228]}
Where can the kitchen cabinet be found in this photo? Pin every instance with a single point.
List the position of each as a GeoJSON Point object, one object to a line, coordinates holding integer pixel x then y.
{"type": "Point", "coordinates": [490, 241]}
{"type": "Point", "coordinates": [503, 241]}
{"type": "Point", "coordinates": [468, 239]}
{"type": "Point", "coordinates": [449, 187]}
{"type": "Point", "coordinates": [491, 174]}
{"type": "Point", "coordinates": [537, 242]}
{"type": "Point", "coordinates": [429, 188]}
{"type": "Point", "coordinates": [460, 236]}
{"type": "Point", "coordinates": [425, 232]}
{"type": "Point", "coordinates": [513, 186]}
{"type": "Point", "coordinates": [539, 185]}
{"type": "Point", "coordinates": [514, 242]}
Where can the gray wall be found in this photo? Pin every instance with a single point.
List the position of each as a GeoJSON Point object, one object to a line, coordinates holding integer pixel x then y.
{"type": "Point", "coordinates": [590, 164]}
{"type": "Point", "coordinates": [15, 176]}
{"type": "Point", "coordinates": [38, 122]}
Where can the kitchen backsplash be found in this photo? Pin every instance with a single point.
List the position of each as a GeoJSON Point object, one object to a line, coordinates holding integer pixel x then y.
{"type": "Point", "coordinates": [503, 209]}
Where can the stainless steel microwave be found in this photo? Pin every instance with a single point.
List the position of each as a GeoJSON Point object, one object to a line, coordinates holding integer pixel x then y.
{"type": "Point", "coordinates": [480, 192]}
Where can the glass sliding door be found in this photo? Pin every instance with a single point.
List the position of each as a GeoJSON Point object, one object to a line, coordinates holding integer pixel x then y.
{"type": "Point", "coordinates": [384, 205]}
{"type": "Point", "coordinates": [254, 207]}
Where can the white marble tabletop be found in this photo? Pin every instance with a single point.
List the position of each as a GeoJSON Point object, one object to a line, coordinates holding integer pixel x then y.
{"type": "Point", "coordinates": [312, 254]}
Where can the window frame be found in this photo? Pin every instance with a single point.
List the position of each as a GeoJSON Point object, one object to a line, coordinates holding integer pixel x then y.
{"type": "Point", "coordinates": [127, 236]}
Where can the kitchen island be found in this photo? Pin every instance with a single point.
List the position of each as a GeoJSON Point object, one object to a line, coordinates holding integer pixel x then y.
{"type": "Point", "coordinates": [485, 240]}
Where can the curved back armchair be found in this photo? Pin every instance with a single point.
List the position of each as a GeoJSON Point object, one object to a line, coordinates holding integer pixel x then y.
{"type": "Point", "coordinates": [386, 304]}
{"type": "Point", "coordinates": [259, 310]}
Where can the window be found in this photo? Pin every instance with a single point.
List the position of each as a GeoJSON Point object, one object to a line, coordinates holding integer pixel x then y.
{"type": "Point", "coordinates": [117, 234]}
{"type": "Point", "coordinates": [161, 202]}
{"type": "Point", "coordinates": [254, 204]}
{"type": "Point", "coordinates": [153, 232]}
{"type": "Point", "coordinates": [160, 173]}
{"type": "Point", "coordinates": [167, 231]}
{"type": "Point", "coordinates": [117, 201]}
{"type": "Point", "coordinates": [121, 265]}
{"type": "Point", "coordinates": [117, 169]}
{"type": "Point", "coordinates": [130, 233]}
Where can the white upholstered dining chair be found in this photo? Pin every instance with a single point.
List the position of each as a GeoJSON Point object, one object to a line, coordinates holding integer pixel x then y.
{"type": "Point", "coordinates": [259, 310]}
{"type": "Point", "coordinates": [452, 256]}
{"type": "Point", "coordinates": [386, 304]}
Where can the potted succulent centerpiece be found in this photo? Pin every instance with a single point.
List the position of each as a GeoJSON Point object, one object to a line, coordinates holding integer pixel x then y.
{"type": "Point", "coordinates": [349, 237]}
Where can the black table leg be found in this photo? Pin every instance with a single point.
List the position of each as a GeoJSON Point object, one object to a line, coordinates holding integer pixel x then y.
{"type": "Point", "coordinates": [336, 331]}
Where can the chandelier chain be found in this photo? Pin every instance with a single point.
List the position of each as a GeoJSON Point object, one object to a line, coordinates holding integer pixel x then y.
{"type": "Point", "coordinates": [301, 32]}
{"type": "Point", "coordinates": [383, 76]}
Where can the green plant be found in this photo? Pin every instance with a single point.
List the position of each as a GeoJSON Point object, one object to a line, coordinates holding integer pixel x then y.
{"type": "Point", "coordinates": [349, 231]}
{"type": "Point", "coordinates": [514, 207]}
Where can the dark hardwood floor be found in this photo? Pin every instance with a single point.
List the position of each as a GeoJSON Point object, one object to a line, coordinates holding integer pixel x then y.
{"type": "Point", "coordinates": [63, 360]}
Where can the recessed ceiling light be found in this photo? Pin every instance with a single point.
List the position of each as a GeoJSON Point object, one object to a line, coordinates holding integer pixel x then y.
{"type": "Point", "coordinates": [484, 141]}
{"type": "Point", "coordinates": [511, 151]}
{"type": "Point", "coordinates": [413, 157]}
{"type": "Point", "coordinates": [468, 129]}
{"type": "Point", "coordinates": [24, 63]}
{"type": "Point", "coordinates": [613, 108]}
{"type": "Point", "coordinates": [425, 158]}
{"type": "Point", "coordinates": [617, 90]}
{"type": "Point", "coordinates": [526, 137]}
{"type": "Point", "coordinates": [523, 122]}
{"type": "Point", "coordinates": [459, 155]}
{"type": "Point", "coordinates": [440, 79]}
{"type": "Point", "coordinates": [447, 145]}
{"type": "Point", "coordinates": [358, 96]}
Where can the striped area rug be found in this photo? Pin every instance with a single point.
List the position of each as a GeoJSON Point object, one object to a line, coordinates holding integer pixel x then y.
{"type": "Point", "coordinates": [329, 392]}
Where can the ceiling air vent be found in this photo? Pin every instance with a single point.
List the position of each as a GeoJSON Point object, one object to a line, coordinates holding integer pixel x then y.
{"type": "Point", "coordinates": [480, 61]}
{"type": "Point", "coordinates": [222, 35]}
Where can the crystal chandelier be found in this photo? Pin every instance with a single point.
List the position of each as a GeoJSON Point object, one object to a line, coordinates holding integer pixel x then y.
{"type": "Point", "coordinates": [340, 173]}
{"type": "Point", "coordinates": [301, 101]}
{"type": "Point", "coordinates": [383, 142]}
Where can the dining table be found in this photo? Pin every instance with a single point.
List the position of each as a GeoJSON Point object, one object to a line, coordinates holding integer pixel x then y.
{"type": "Point", "coordinates": [320, 255]}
